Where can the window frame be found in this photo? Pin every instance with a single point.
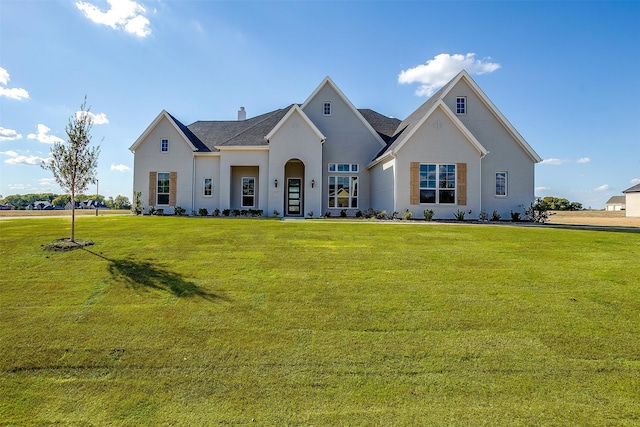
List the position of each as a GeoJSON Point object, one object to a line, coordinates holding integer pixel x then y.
{"type": "Point", "coordinates": [253, 192]}
{"type": "Point", "coordinates": [352, 188]}
{"type": "Point", "coordinates": [204, 187]}
{"type": "Point", "coordinates": [461, 105]}
{"type": "Point", "coordinates": [168, 188]}
{"type": "Point", "coordinates": [343, 167]}
{"type": "Point", "coordinates": [326, 108]}
{"type": "Point", "coordinates": [433, 182]}
{"type": "Point", "coordinates": [505, 185]}
{"type": "Point", "coordinates": [164, 145]}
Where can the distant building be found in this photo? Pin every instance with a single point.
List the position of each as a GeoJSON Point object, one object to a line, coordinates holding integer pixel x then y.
{"type": "Point", "coordinates": [615, 203]}
{"type": "Point", "coordinates": [632, 201]}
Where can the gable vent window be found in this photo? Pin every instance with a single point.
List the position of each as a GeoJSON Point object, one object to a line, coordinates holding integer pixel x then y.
{"type": "Point", "coordinates": [461, 105]}
{"type": "Point", "coordinates": [326, 109]}
{"type": "Point", "coordinates": [164, 146]}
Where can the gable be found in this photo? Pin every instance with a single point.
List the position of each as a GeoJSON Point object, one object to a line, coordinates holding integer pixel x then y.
{"type": "Point", "coordinates": [344, 115]}
{"type": "Point", "coordinates": [172, 125]}
{"type": "Point", "coordinates": [295, 117]}
{"type": "Point", "coordinates": [481, 111]}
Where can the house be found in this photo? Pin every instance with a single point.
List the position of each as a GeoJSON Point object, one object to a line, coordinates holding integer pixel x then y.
{"type": "Point", "coordinates": [40, 205]}
{"type": "Point", "coordinates": [615, 203]}
{"type": "Point", "coordinates": [455, 152]}
{"type": "Point", "coordinates": [632, 201]}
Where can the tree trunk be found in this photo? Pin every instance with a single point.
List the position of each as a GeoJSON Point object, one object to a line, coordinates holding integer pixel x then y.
{"type": "Point", "coordinates": [73, 216]}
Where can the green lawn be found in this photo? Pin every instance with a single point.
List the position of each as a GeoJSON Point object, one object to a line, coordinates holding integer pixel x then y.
{"type": "Point", "coordinates": [200, 321]}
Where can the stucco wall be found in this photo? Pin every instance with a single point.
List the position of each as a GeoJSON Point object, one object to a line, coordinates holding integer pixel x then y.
{"type": "Point", "coordinates": [438, 140]}
{"type": "Point", "coordinates": [382, 185]}
{"type": "Point", "coordinates": [295, 140]}
{"type": "Point", "coordinates": [348, 141]}
{"type": "Point", "coordinates": [179, 159]}
{"type": "Point", "coordinates": [207, 166]}
{"type": "Point", "coordinates": [633, 205]}
{"type": "Point", "coordinates": [505, 154]}
{"type": "Point", "coordinates": [230, 184]}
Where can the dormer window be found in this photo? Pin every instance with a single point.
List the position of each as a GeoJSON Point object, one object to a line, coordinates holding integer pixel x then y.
{"type": "Point", "coordinates": [164, 146]}
{"type": "Point", "coordinates": [326, 108]}
{"type": "Point", "coordinates": [461, 105]}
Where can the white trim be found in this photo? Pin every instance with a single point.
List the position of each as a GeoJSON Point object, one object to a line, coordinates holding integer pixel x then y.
{"type": "Point", "coordinates": [306, 119]}
{"type": "Point", "coordinates": [324, 104]}
{"type": "Point", "coordinates": [163, 115]}
{"type": "Point", "coordinates": [456, 121]}
{"type": "Point", "coordinates": [204, 186]}
{"type": "Point", "coordinates": [506, 184]}
{"type": "Point", "coordinates": [158, 193]}
{"type": "Point", "coordinates": [327, 81]}
{"type": "Point", "coordinates": [162, 140]}
{"type": "Point", "coordinates": [244, 148]}
{"type": "Point", "coordinates": [242, 196]}
{"type": "Point", "coordinates": [464, 106]}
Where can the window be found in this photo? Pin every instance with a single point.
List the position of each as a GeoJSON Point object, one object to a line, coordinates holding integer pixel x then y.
{"type": "Point", "coordinates": [461, 105]}
{"type": "Point", "coordinates": [501, 183]}
{"type": "Point", "coordinates": [326, 108]}
{"type": "Point", "coordinates": [248, 192]}
{"type": "Point", "coordinates": [164, 146]}
{"type": "Point", "coordinates": [163, 188]}
{"type": "Point", "coordinates": [208, 187]}
{"type": "Point", "coordinates": [343, 167]}
{"type": "Point", "coordinates": [343, 191]}
{"type": "Point", "coordinates": [437, 183]}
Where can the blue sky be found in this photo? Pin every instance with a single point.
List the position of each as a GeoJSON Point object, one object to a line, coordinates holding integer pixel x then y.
{"type": "Point", "coordinates": [565, 74]}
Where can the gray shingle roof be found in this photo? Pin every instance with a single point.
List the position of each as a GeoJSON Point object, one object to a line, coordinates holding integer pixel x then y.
{"type": "Point", "coordinates": [384, 125]}
{"type": "Point", "coordinates": [247, 133]}
{"type": "Point", "coordinates": [616, 199]}
{"type": "Point", "coordinates": [192, 138]}
{"type": "Point", "coordinates": [634, 189]}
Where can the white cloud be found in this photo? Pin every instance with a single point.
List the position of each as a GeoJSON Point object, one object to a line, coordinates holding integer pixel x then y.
{"type": "Point", "coordinates": [605, 187]}
{"type": "Point", "coordinates": [4, 76]}
{"type": "Point", "coordinates": [552, 161]}
{"type": "Point", "coordinates": [47, 181]}
{"type": "Point", "coordinates": [11, 92]}
{"type": "Point", "coordinates": [635, 181]}
{"type": "Point", "coordinates": [543, 188]}
{"type": "Point", "coordinates": [26, 160]}
{"type": "Point", "coordinates": [9, 134]}
{"type": "Point", "coordinates": [120, 167]}
{"type": "Point", "coordinates": [436, 72]}
{"type": "Point", "coordinates": [583, 160]}
{"type": "Point", "coordinates": [43, 135]}
{"type": "Point", "coordinates": [9, 153]}
{"type": "Point", "coordinates": [96, 119]}
{"type": "Point", "coordinates": [126, 15]}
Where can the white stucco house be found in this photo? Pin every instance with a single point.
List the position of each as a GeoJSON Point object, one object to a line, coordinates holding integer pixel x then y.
{"type": "Point", "coordinates": [632, 201]}
{"type": "Point", "coordinates": [455, 152]}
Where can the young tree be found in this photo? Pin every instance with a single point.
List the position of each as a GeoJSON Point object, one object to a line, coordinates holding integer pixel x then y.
{"type": "Point", "coordinates": [74, 163]}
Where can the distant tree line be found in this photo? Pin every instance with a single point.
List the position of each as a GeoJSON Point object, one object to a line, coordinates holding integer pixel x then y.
{"type": "Point", "coordinates": [551, 203]}
{"type": "Point", "coordinates": [22, 201]}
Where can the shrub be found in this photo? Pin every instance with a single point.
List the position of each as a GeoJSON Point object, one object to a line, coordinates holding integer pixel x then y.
{"type": "Point", "coordinates": [395, 215]}
{"type": "Point", "coordinates": [276, 213]}
{"type": "Point", "coordinates": [310, 214]}
{"type": "Point", "coordinates": [495, 216]}
{"type": "Point", "coordinates": [179, 210]}
{"type": "Point", "coordinates": [244, 212]}
{"type": "Point", "coordinates": [406, 216]}
{"type": "Point", "coordinates": [482, 216]}
{"type": "Point", "coordinates": [226, 212]}
{"type": "Point", "coordinates": [381, 214]}
{"type": "Point", "coordinates": [236, 212]}
{"type": "Point", "coordinates": [359, 214]}
{"type": "Point", "coordinates": [428, 214]}
{"type": "Point", "coordinates": [137, 203]}
{"type": "Point", "coordinates": [159, 212]}
{"type": "Point", "coordinates": [459, 215]}
{"type": "Point", "coordinates": [152, 210]}
{"type": "Point", "coordinates": [216, 212]}
{"type": "Point", "coordinates": [203, 212]}
{"type": "Point", "coordinates": [327, 214]}
{"type": "Point", "coordinates": [343, 213]}
{"type": "Point", "coordinates": [515, 216]}
{"type": "Point", "coordinates": [537, 212]}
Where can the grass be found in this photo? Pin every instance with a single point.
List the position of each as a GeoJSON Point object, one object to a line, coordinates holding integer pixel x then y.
{"type": "Point", "coordinates": [200, 321]}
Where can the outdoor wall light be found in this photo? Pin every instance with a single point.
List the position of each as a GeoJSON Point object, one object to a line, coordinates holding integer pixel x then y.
{"type": "Point", "coordinates": [275, 182]}
{"type": "Point", "coordinates": [313, 183]}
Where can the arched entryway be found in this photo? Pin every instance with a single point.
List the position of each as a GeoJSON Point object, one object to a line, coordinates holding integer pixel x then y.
{"type": "Point", "coordinates": [294, 188]}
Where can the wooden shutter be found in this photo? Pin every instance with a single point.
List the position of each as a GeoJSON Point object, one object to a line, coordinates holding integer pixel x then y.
{"type": "Point", "coordinates": [461, 179]}
{"type": "Point", "coordinates": [173, 181]}
{"type": "Point", "coordinates": [153, 183]}
{"type": "Point", "coordinates": [414, 183]}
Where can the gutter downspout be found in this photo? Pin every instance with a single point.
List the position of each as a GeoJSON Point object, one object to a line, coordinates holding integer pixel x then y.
{"type": "Point", "coordinates": [193, 184]}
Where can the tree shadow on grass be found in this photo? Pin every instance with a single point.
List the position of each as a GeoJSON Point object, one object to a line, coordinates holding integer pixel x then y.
{"type": "Point", "coordinates": [143, 275]}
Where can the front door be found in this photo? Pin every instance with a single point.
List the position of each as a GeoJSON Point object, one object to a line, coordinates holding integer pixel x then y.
{"type": "Point", "coordinates": [294, 196]}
